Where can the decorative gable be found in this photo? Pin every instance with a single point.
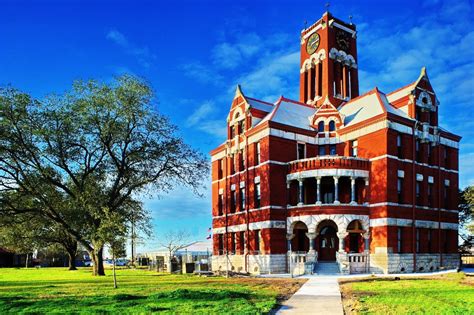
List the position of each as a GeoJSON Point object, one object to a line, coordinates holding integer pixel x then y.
{"type": "Point", "coordinates": [328, 116]}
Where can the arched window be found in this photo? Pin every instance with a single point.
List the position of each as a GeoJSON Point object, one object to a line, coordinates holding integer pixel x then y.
{"type": "Point", "coordinates": [321, 126]}
{"type": "Point", "coordinates": [332, 125]}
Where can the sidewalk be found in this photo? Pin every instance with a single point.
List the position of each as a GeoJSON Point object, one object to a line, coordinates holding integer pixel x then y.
{"type": "Point", "coordinates": [319, 295]}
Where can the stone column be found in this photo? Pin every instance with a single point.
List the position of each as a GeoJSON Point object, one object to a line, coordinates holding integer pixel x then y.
{"type": "Point", "coordinates": [288, 185]}
{"type": "Point", "coordinates": [336, 190]}
{"type": "Point", "coordinates": [311, 256]}
{"type": "Point", "coordinates": [342, 236]}
{"type": "Point", "coordinates": [289, 237]}
{"type": "Point", "coordinates": [318, 190]}
{"type": "Point", "coordinates": [353, 190]}
{"type": "Point", "coordinates": [366, 237]}
{"type": "Point", "coordinates": [365, 191]}
{"type": "Point", "coordinates": [300, 191]}
{"type": "Point", "coordinates": [311, 237]}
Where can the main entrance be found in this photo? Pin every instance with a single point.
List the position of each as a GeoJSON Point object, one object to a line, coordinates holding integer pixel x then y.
{"type": "Point", "coordinates": [328, 242]}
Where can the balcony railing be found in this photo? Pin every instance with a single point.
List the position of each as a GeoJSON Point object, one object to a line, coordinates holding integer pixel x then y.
{"type": "Point", "coordinates": [325, 162]}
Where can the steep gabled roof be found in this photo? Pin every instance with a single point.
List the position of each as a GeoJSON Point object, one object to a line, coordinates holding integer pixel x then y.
{"type": "Point", "coordinates": [258, 104]}
{"type": "Point", "coordinates": [367, 106]}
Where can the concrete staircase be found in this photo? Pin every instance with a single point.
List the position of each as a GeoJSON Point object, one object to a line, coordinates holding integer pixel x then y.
{"type": "Point", "coordinates": [327, 268]}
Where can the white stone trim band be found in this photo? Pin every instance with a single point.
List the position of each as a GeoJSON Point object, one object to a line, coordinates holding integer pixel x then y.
{"type": "Point", "coordinates": [252, 226]}
{"type": "Point", "coordinates": [388, 156]}
{"type": "Point", "coordinates": [408, 223]}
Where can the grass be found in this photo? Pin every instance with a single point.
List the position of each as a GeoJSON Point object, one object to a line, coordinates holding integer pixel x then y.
{"type": "Point", "coordinates": [57, 290]}
{"type": "Point", "coordinates": [446, 294]}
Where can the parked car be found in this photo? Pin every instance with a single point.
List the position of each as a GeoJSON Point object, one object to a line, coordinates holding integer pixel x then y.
{"type": "Point", "coordinates": [88, 263]}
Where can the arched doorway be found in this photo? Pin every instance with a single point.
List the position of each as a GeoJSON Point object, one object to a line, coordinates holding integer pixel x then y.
{"type": "Point", "coordinates": [355, 232]}
{"type": "Point", "coordinates": [328, 243]}
{"type": "Point", "coordinates": [300, 242]}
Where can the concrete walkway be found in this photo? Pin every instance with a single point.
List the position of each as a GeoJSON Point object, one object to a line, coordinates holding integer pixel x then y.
{"type": "Point", "coordinates": [319, 295]}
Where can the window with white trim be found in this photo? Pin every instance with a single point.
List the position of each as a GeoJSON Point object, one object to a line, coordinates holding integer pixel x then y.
{"type": "Point", "coordinates": [300, 151]}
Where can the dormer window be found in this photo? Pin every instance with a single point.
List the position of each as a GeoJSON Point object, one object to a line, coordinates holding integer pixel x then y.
{"type": "Point", "coordinates": [232, 131]}
{"type": "Point", "coordinates": [321, 126]}
{"type": "Point", "coordinates": [332, 125]}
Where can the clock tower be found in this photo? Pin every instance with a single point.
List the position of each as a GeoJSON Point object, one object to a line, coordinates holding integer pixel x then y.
{"type": "Point", "coordinates": [328, 66]}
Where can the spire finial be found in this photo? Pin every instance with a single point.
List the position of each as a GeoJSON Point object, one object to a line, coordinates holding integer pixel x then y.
{"type": "Point", "coordinates": [350, 19]}
{"type": "Point", "coordinates": [327, 5]}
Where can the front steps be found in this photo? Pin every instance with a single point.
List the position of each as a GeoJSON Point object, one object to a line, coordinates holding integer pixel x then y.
{"type": "Point", "coordinates": [327, 268]}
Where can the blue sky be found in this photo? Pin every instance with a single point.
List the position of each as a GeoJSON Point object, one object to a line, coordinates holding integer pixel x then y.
{"type": "Point", "coordinates": [194, 53]}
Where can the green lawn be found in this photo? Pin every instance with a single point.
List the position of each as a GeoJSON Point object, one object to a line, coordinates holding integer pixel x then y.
{"type": "Point", "coordinates": [447, 294]}
{"type": "Point", "coordinates": [57, 290]}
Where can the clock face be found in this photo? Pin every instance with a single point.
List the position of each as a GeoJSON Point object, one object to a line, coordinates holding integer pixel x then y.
{"type": "Point", "coordinates": [343, 40]}
{"type": "Point", "coordinates": [313, 43]}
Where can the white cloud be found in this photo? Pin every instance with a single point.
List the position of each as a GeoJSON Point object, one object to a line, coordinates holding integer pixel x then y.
{"type": "Point", "coordinates": [143, 55]}
{"type": "Point", "coordinates": [202, 73]}
{"type": "Point", "coordinates": [201, 119]}
{"type": "Point", "coordinates": [274, 76]}
{"type": "Point", "coordinates": [200, 113]}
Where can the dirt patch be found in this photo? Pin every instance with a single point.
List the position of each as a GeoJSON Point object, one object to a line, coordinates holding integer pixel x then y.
{"type": "Point", "coordinates": [350, 299]}
{"type": "Point", "coordinates": [285, 287]}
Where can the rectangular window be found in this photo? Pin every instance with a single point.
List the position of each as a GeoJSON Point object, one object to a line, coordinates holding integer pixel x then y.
{"type": "Point", "coordinates": [242, 242]}
{"type": "Point", "coordinates": [233, 243]}
{"type": "Point", "coordinates": [418, 150]}
{"type": "Point", "coordinates": [417, 240]}
{"type": "Point", "coordinates": [399, 146]}
{"type": "Point", "coordinates": [257, 153]}
{"type": "Point", "coordinates": [220, 205]}
{"type": "Point", "coordinates": [446, 199]}
{"type": "Point", "coordinates": [332, 149]}
{"type": "Point", "coordinates": [400, 189]}
{"type": "Point", "coordinates": [257, 240]}
{"type": "Point", "coordinates": [301, 151]}
{"type": "Point", "coordinates": [232, 131]}
{"type": "Point", "coordinates": [257, 196]}
{"type": "Point", "coordinates": [430, 194]}
{"type": "Point", "coordinates": [418, 193]}
{"type": "Point", "coordinates": [354, 144]}
{"type": "Point", "coordinates": [399, 239]}
{"type": "Point", "coordinates": [241, 126]}
{"type": "Point", "coordinates": [428, 154]}
{"type": "Point", "coordinates": [220, 168]}
{"type": "Point", "coordinates": [445, 157]}
{"type": "Point", "coordinates": [430, 231]}
{"type": "Point", "coordinates": [242, 160]}
{"type": "Point", "coordinates": [221, 244]}
{"type": "Point", "coordinates": [445, 241]}
{"type": "Point", "coordinates": [322, 150]}
{"type": "Point", "coordinates": [233, 199]}
{"type": "Point", "coordinates": [232, 165]}
{"type": "Point", "coordinates": [242, 199]}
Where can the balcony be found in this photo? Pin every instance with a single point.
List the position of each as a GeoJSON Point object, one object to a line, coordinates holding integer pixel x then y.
{"type": "Point", "coordinates": [328, 180]}
{"type": "Point", "coordinates": [328, 162]}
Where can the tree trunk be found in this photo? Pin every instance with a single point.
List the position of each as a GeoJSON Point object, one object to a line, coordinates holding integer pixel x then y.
{"type": "Point", "coordinates": [72, 260]}
{"type": "Point", "coordinates": [26, 260]}
{"type": "Point", "coordinates": [72, 252]}
{"type": "Point", "coordinates": [115, 276]}
{"type": "Point", "coordinates": [98, 268]}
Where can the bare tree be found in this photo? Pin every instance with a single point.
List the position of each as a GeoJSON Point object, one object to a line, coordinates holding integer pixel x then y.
{"type": "Point", "coordinates": [173, 241]}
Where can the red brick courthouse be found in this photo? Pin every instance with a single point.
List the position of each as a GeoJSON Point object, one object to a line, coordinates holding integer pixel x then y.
{"type": "Point", "coordinates": [365, 181]}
